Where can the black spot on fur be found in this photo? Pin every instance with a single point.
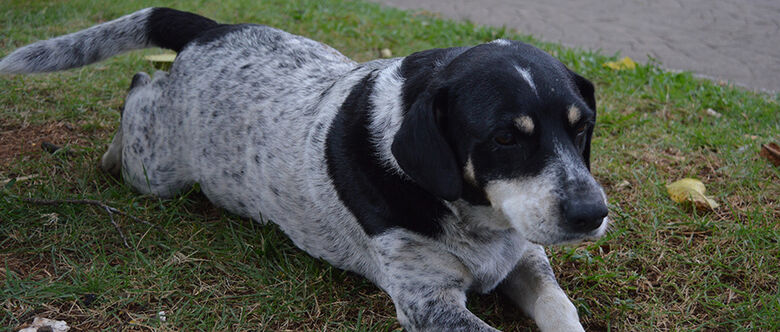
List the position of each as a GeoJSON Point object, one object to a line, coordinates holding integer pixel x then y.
{"type": "Point", "coordinates": [237, 176]}
{"type": "Point", "coordinates": [378, 197]}
{"type": "Point", "coordinates": [274, 191]}
{"type": "Point", "coordinates": [173, 29]}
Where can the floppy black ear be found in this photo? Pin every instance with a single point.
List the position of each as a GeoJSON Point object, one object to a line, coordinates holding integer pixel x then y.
{"type": "Point", "coordinates": [588, 93]}
{"type": "Point", "coordinates": [423, 153]}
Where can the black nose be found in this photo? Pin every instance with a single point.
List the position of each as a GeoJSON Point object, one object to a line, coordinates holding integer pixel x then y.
{"type": "Point", "coordinates": [584, 216]}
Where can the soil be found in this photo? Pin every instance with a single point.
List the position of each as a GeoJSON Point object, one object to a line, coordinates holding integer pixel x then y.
{"type": "Point", "coordinates": [24, 141]}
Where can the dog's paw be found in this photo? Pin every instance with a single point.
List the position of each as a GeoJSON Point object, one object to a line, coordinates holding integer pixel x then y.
{"type": "Point", "coordinates": [110, 166]}
{"type": "Point", "coordinates": [554, 312]}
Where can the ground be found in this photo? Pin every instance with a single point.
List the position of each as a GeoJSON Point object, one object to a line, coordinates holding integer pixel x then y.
{"type": "Point", "coordinates": [662, 266]}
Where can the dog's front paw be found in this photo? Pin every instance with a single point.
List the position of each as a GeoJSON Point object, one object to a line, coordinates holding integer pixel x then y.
{"type": "Point", "coordinates": [554, 312]}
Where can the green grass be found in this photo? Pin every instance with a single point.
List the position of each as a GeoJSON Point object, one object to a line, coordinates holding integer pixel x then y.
{"type": "Point", "coordinates": [663, 266]}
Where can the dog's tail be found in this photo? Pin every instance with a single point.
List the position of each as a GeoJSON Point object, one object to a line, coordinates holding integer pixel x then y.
{"type": "Point", "coordinates": [150, 27]}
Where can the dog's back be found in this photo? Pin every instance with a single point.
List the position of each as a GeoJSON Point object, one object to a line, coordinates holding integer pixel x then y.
{"type": "Point", "coordinates": [260, 102]}
{"type": "Point", "coordinates": [249, 97]}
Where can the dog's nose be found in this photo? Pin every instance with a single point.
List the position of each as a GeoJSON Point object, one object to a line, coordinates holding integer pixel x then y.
{"type": "Point", "coordinates": [584, 216]}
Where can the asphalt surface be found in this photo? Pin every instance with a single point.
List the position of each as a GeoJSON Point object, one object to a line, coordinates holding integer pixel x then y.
{"type": "Point", "coordinates": [731, 40]}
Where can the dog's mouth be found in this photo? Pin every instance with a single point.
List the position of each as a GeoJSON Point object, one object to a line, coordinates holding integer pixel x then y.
{"type": "Point", "coordinates": [543, 222]}
{"type": "Point", "coordinates": [573, 238]}
{"type": "Point", "coordinates": [562, 237]}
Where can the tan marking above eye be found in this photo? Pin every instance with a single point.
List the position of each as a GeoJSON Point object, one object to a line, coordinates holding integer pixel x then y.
{"type": "Point", "coordinates": [525, 124]}
{"type": "Point", "coordinates": [573, 114]}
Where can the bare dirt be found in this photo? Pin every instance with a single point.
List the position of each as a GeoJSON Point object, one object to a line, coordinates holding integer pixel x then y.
{"type": "Point", "coordinates": [21, 142]}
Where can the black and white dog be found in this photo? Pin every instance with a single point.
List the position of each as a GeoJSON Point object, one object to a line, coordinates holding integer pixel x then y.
{"type": "Point", "coordinates": [432, 175]}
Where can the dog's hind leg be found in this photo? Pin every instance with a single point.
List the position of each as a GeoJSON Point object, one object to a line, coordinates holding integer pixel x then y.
{"type": "Point", "coordinates": [147, 145]}
{"type": "Point", "coordinates": [532, 286]}
{"type": "Point", "coordinates": [111, 162]}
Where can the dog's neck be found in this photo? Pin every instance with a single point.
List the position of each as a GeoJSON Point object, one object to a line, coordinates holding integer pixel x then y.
{"type": "Point", "coordinates": [386, 114]}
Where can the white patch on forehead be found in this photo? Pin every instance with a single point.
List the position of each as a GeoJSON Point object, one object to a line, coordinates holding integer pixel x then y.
{"type": "Point", "coordinates": [526, 74]}
{"type": "Point", "coordinates": [525, 124]}
{"type": "Point", "coordinates": [573, 114]}
{"type": "Point", "coordinates": [502, 42]}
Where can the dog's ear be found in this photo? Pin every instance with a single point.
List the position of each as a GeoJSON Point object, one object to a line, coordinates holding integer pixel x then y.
{"type": "Point", "coordinates": [588, 93]}
{"type": "Point", "coordinates": [422, 151]}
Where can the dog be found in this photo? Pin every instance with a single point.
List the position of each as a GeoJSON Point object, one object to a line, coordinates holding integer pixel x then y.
{"type": "Point", "coordinates": [432, 175]}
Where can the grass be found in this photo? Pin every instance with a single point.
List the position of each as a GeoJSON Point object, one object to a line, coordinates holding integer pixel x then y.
{"type": "Point", "coordinates": [664, 266]}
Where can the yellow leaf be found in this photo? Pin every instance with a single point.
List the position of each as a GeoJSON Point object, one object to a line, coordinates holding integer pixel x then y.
{"type": "Point", "coordinates": [161, 61]}
{"type": "Point", "coordinates": [161, 57]}
{"type": "Point", "coordinates": [691, 190]}
{"type": "Point", "coordinates": [622, 64]}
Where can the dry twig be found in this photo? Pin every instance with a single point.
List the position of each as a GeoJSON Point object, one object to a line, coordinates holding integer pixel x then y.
{"type": "Point", "coordinates": [110, 210]}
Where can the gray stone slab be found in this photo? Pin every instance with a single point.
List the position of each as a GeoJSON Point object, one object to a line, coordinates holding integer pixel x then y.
{"type": "Point", "coordinates": [732, 40]}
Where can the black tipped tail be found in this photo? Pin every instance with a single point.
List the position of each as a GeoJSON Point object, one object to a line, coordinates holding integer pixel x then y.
{"type": "Point", "coordinates": [161, 27]}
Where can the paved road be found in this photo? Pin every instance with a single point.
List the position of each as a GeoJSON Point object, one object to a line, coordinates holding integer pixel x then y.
{"type": "Point", "coordinates": [732, 40]}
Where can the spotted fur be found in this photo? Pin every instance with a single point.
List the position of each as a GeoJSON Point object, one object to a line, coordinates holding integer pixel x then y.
{"type": "Point", "coordinates": [410, 171]}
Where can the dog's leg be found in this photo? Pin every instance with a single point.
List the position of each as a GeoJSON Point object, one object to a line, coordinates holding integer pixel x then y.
{"type": "Point", "coordinates": [431, 307]}
{"type": "Point", "coordinates": [111, 162]}
{"type": "Point", "coordinates": [532, 286]}
{"type": "Point", "coordinates": [428, 286]}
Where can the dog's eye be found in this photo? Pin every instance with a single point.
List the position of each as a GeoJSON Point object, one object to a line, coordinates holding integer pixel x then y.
{"type": "Point", "coordinates": [579, 138]}
{"type": "Point", "coordinates": [504, 138]}
{"type": "Point", "coordinates": [581, 129]}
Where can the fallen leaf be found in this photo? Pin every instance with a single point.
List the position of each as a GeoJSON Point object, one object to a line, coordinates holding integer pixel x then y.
{"type": "Point", "coordinates": [167, 57]}
{"type": "Point", "coordinates": [771, 151]}
{"type": "Point", "coordinates": [623, 184]}
{"type": "Point", "coordinates": [161, 61]}
{"type": "Point", "coordinates": [691, 190]}
{"type": "Point", "coordinates": [386, 53]}
{"type": "Point", "coordinates": [712, 112]}
{"type": "Point", "coordinates": [622, 64]}
{"type": "Point", "coordinates": [45, 324]}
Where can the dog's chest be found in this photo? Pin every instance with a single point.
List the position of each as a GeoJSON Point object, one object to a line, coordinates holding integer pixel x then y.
{"type": "Point", "coordinates": [488, 252]}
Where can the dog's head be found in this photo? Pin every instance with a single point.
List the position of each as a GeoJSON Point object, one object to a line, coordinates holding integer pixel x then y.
{"type": "Point", "coordinates": [507, 125]}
